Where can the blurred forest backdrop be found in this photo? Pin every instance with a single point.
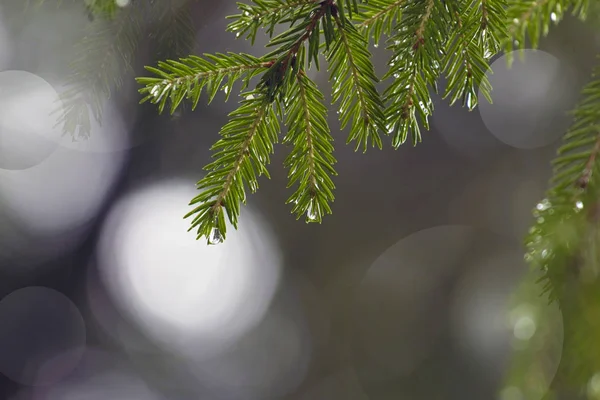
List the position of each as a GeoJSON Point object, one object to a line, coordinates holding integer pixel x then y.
{"type": "Point", "coordinates": [400, 294]}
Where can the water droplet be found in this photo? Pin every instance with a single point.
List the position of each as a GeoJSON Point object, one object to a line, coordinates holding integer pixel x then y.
{"type": "Point", "coordinates": [554, 17]}
{"type": "Point", "coordinates": [579, 204]}
{"type": "Point", "coordinates": [543, 205]}
{"type": "Point", "coordinates": [376, 45]}
{"type": "Point", "coordinates": [545, 253]}
{"type": "Point", "coordinates": [311, 215]}
{"type": "Point", "coordinates": [249, 97]}
{"type": "Point", "coordinates": [215, 236]}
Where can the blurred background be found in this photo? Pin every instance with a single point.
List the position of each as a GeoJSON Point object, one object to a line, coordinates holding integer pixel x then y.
{"type": "Point", "coordinates": [415, 288]}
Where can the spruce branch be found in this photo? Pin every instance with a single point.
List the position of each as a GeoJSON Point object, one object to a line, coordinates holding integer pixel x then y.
{"type": "Point", "coordinates": [416, 64]}
{"type": "Point", "coordinates": [190, 76]}
{"type": "Point", "coordinates": [568, 213]}
{"type": "Point", "coordinates": [174, 31]}
{"type": "Point", "coordinates": [353, 86]}
{"type": "Point", "coordinates": [242, 155]}
{"type": "Point", "coordinates": [311, 159]}
{"type": "Point", "coordinates": [102, 8]}
{"type": "Point", "coordinates": [468, 48]}
{"type": "Point", "coordinates": [531, 19]}
{"type": "Point", "coordinates": [492, 30]}
{"type": "Point", "coordinates": [268, 14]}
{"type": "Point", "coordinates": [104, 56]}
{"type": "Point", "coordinates": [289, 42]}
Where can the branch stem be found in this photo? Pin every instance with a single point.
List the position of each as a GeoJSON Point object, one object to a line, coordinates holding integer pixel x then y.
{"type": "Point", "coordinates": [584, 180]}
{"type": "Point", "coordinates": [238, 162]}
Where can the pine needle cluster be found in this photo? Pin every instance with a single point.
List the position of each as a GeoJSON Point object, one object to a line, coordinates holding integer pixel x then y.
{"type": "Point", "coordinates": [427, 40]}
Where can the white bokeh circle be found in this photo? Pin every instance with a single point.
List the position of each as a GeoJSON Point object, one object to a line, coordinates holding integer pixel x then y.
{"type": "Point", "coordinates": [29, 120]}
{"type": "Point", "coordinates": [501, 321]}
{"type": "Point", "coordinates": [393, 299]}
{"type": "Point", "coordinates": [62, 193]}
{"type": "Point", "coordinates": [463, 130]}
{"type": "Point", "coordinates": [270, 360]}
{"type": "Point", "coordinates": [182, 292]}
{"type": "Point", "coordinates": [47, 44]}
{"type": "Point", "coordinates": [99, 375]}
{"type": "Point", "coordinates": [530, 99]}
{"type": "Point", "coordinates": [42, 336]}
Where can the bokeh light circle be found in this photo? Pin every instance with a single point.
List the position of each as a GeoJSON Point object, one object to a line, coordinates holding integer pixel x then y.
{"type": "Point", "coordinates": [187, 295]}
{"type": "Point", "coordinates": [42, 336]}
{"type": "Point", "coordinates": [294, 327]}
{"type": "Point", "coordinates": [500, 320]}
{"type": "Point", "coordinates": [29, 120]}
{"type": "Point", "coordinates": [393, 299]}
{"type": "Point", "coordinates": [530, 99]}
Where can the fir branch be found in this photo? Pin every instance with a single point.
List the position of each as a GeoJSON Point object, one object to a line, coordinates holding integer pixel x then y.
{"type": "Point", "coordinates": [247, 140]}
{"type": "Point", "coordinates": [467, 49]}
{"type": "Point", "coordinates": [353, 86]}
{"type": "Point", "coordinates": [289, 42]}
{"type": "Point", "coordinates": [242, 155]}
{"type": "Point", "coordinates": [174, 31]}
{"type": "Point", "coordinates": [311, 160]}
{"type": "Point", "coordinates": [568, 213]}
{"type": "Point", "coordinates": [267, 14]}
{"type": "Point", "coordinates": [415, 65]}
{"type": "Point", "coordinates": [107, 9]}
{"type": "Point", "coordinates": [189, 77]}
{"type": "Point", "coordinates": [531, 19]}
{"type": "Point", "coordinates": [492, 30]}
{"type": "Point", "coordinates": [105, 54]}
{"type": "Point", "coordinates": [377, 17]}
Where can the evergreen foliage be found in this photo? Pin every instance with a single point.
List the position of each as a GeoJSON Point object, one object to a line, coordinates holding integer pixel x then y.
{"type": "Point", "coordinates": [105, 53]}
{"type": "Point", "coordinates": [427, 40]}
